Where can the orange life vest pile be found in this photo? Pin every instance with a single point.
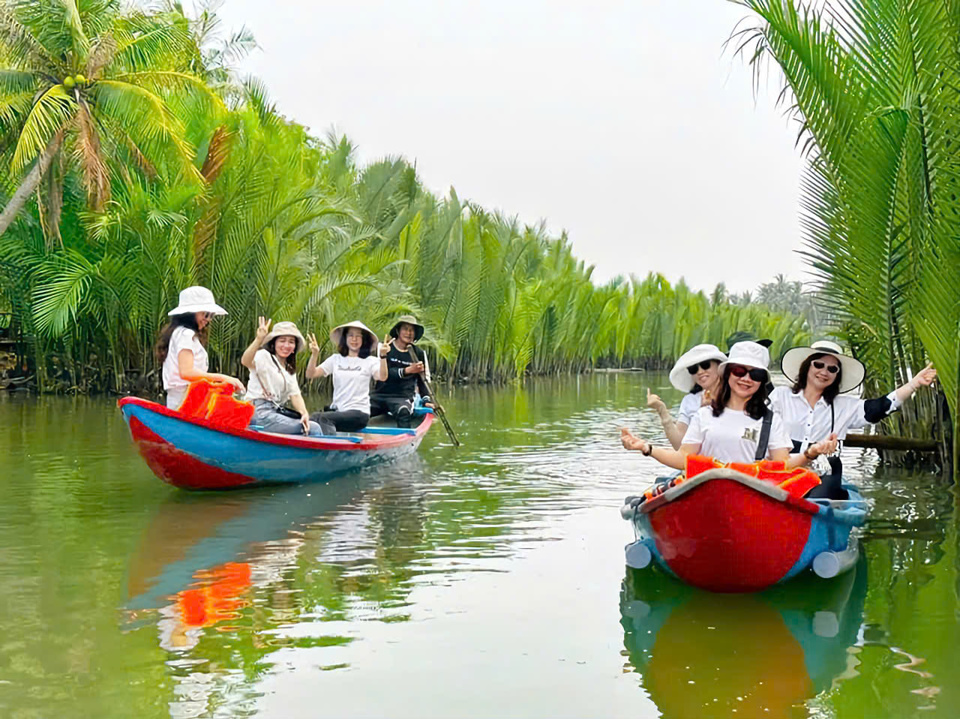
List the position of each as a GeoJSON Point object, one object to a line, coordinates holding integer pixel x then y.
{"type": "Point", "coordinates": [797, 481]}
{"type": "Point", "coordinates": [214, 402]}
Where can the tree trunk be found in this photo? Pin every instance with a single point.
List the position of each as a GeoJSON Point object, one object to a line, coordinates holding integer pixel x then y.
{"type": "Point", "coordinates": [30, 183]}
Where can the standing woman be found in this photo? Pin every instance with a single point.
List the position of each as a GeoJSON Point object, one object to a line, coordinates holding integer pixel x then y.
{"type": "Point", "coordinates": [732, 428]}
{"type": "Point", "coordinates": [182, 345]}
{"type": "Point", "coordinates": [352, 367]}
{"type": "Point", "coordinates": [816, 406]}
{"type": "Point", "coordinates": [697, 374]}
{"type": "Point", "coordinates": [272, 361]}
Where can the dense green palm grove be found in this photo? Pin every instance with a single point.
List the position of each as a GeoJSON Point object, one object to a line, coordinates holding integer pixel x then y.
{"type": "Point", "coordinates": [875, 86]}
{"type": "Point", "coordinates": [229, 194]}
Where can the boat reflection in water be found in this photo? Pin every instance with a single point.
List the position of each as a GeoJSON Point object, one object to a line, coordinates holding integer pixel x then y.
{"type": "Point", "coordinates": [758, 655]}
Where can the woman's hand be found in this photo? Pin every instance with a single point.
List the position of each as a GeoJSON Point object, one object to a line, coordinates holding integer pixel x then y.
{"type": "Point", "coordinates": [305, 422]}
{"type": "Point", "coordinates": [826, 446]}
{"type": "Point", "coordinates": [655, 403]}
{"type": "Point", "coordinates": [630, 442]}
{"type": "Point", "coordinates": [237, 384]}
{"type": "Point", "coordinates": [415, 368]}
{"type": "Point", "coordinates": [384, 348]}
{"type": "Point", "coordinates": [925, 377]}
{"type": "Point", "coordinates": [314, 345]}
{"type": "Point", "coordinates": [263, 328]}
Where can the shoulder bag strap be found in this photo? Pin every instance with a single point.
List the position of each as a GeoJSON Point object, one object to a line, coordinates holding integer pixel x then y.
{"type": "Point", "coordinates": [764, 436]}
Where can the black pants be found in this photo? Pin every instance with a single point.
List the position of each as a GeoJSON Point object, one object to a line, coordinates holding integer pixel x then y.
{"type": "Point", "coordinates": [400, 408]}
{"type": "Point", "coordinates": [352, 420]}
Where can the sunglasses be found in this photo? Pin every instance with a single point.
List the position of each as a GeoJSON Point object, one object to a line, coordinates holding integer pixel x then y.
{"type": "Point", "coordinates": [756, 374]}
{"type": "Point", "coordinates": [832, 369]}
{"type": "Point", "coordinates": [694, 368]}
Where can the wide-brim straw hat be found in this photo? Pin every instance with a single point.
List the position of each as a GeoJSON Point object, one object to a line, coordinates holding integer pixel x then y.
{"type": "Point", "coordinates": [285, 329]}
{"type": "Point", "coordinates": [748, 354]}
{"type": "Point", "coordinates": [196, 299]}
{"type": "Point", "coordinates": [372, 340]}
{"type": "Point", "coordinates": [408, 320]}
{"type": "Point", "coordinates": [680, 376]}
{"type": "Point", "coordinates": [853, 369]}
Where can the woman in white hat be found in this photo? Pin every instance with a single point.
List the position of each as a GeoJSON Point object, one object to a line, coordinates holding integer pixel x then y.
{"type": "Point", "coordinates": [181, 348]}
{"type": "Point", "coordinates": [737, 426]}
{"type": "Point", "coordinates": [816, 406]}
{"type": "Point", "coordinates": [352, 366]}
{"type": "Point", "coordinates": [697, 374]}
{"type": "Point", "coordinates": [272, 361]}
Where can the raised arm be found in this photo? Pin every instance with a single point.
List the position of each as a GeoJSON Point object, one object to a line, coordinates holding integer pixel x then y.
{"type": "Point", "coordinates": [923, 378]}
{"type": "Point", "coordinates": [313, 370]}
{"type": "Point", "coordinates": [677, 459]}
{"type": "Point", "coordinates": [673, 430]}
{"type": "Point", "coordinates": [263, 329]}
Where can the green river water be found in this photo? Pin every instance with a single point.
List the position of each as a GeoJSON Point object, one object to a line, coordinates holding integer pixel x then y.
{"type": "Point", "coordinates": [482, 582]}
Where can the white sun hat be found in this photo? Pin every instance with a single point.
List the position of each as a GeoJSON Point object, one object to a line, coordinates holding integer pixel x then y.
{"type": "Point", "coordinates": [372, 340]}
{"type": "Point", "coordinates": [852, 369]}
{"type": "Point", "coordinates": [749, 354]}
{"type": "Point", "coordinates": [285, 329]}
{"type": "Point", "coordinates": [196, 299]}
{"type": "Point", "coordinates": [680, 376]}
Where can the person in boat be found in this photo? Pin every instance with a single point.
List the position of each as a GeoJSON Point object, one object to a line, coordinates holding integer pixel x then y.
{"type": "Point", "coordinates": [359, 358]}
{"type": "Point", "coordinates": [407, 368]}
{"type": "Point", "coordinates": [696, 373]}
{"type": "Point", "coordinates": [737, 426]}
{"type": "Point", "coordinates": [181, 348]}
{"type": "Point", "coordinates": [272, 361]}
{"type": "Point", "coordinates": [817, 403]}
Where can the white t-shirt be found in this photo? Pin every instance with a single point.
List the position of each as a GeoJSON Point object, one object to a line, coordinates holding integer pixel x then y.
{"type": "Point", "coordinates": [690, 405]}
{"type": "Point", "coordinates": [270, 379]}
{"type": "Point", "coordinates": [351, 380]}
{"type": "Point", "coordinates": [734, 435]}
{"type": "Point", "coordinates": [809, 425]}
{"type": "Point", "coordinates": [183, 338]}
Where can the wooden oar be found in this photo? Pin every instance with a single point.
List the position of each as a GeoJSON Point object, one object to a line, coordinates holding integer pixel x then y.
{"type": "Point", "coordinates": [438, 410]}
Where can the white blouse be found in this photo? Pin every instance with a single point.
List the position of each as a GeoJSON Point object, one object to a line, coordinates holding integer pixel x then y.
{"type": "Point", "coordinates": [809, 425]}
{"type": "Point", "coordinates": [183, 338]}
{"type": "Point", "coordinates": [270, 380]}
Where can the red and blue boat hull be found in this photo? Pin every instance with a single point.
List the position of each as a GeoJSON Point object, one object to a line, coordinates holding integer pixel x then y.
{"type": "Point", "coordinates": [195, 454]}
{"type": "Point", "coordinates": [724, 531]}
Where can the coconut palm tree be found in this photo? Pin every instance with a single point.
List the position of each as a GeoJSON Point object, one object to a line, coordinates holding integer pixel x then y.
{"type": "Point", "coordinates": [875, 87]}
{"type": "Point", "coordinates": [86, 83]}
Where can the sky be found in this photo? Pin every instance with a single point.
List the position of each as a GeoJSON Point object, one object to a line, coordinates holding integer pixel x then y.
{"type": "Point", "coordinates": [625, 123]}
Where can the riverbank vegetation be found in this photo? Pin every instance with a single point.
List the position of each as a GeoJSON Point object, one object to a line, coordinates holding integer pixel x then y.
{"type": "Point", "coordinates": [875, 88]}
{"type": "Point", "coordinates": [136, 164]}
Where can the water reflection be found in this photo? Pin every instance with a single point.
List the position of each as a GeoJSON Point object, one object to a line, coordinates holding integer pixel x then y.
{"type": "Point", "coordinates": [705, 655]}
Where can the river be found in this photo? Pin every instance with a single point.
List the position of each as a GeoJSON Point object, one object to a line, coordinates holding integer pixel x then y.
{"type": "Point", "coordinates": [485, 581]}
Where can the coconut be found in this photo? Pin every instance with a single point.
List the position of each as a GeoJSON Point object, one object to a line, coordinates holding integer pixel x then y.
{"type": "Point", "coordinates": [81, 80]}
{"type": "Point", "coordinates": [69, 82]}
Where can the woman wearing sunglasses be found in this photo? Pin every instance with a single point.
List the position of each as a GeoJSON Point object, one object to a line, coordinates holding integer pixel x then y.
{"type": "Point", "coordinates": [696, 373]}
{"type": "Point", "coordinates": [181, 348]}
{"type": "Point", "coordinates": [816, 406]}
{"type": "Point", "coordinates": [737, 426]}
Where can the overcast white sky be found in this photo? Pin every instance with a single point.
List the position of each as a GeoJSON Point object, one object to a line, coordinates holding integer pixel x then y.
{"type": "Point", "coordinates": [623, 122]}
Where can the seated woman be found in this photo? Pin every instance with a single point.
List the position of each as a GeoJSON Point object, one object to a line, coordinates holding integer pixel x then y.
{"type": "Point", "coordinates": [406, 377]}
{"type": "Point", "coordinates": [816, 406]}
{"type": "Point", "coordinates": [352, 367]}
{"type": "Point", "coordinates": [732, 428]}
{"type": "Point", "coordinates": [272, 361]}
{"type": "Point", "coordinates": [181, 348]}
{"type": "Point", "coordinates": [696, 374]}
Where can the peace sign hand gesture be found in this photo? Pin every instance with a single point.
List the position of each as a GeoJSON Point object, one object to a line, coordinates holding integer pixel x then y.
{"type": "Point", "coordinates": [314, 345]}
{"type": "Point", "coordinates": [263, 328]}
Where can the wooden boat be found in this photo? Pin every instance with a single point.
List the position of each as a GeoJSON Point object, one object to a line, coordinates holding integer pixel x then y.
{"type": "Point", "coordinates": [725, 531]}
{"type": "Point", "coordinates": [198, 454]}
{"type": "Point", "coordinates": [765, 654]}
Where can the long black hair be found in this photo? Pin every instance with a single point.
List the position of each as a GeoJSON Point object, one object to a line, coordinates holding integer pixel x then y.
{"type": "Point", "coordinates": [290, 361]}
{"type": "Point", "coordinates": [345, 351]}
{"type": "Point", "coordinates": [830, 391]}
{"type": "Point", "coordinates": [188, 320]}
{"type": "Point", "coordinates": [756, 406]}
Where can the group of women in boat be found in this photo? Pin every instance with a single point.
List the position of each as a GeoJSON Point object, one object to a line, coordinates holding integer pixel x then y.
{"type": "Point", "coordinates": [399, 368]}
{"type": "Point", "coordinates": [733, 413]}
